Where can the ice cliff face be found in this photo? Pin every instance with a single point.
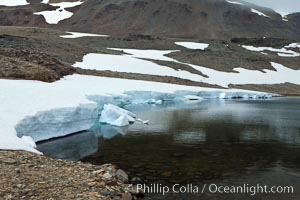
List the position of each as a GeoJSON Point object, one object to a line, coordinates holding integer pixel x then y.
{"type": "Point", "coordinates": [58, 122]}
{"type": "Point", "coordinates": [63, 121]}
{"type": "Point", "coordinates": [35, 111]}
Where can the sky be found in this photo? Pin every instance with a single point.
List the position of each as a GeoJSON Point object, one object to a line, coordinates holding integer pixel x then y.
{"type": "Point", "coordinates": [282, 6]}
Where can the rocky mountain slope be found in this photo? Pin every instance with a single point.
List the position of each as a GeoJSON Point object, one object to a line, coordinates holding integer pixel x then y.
{"type": "Point", "coordinates": [209, 19]}
{"type": "Point", "coordinates": [30, 48]}
{"type": "Point", "coordinates": [205, 19]}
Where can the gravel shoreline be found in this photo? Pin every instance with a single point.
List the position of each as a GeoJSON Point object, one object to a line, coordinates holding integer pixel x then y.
{"type": "Point", "coordinates": [24, 175]}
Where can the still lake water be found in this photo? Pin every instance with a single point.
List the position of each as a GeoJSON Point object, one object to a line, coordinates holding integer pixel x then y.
{"type": "Point", "coordinates": [227, 142]}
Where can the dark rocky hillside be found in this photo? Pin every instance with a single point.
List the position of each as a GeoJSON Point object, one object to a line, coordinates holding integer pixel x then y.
{"type": "Point", "coordinates": [202, 19]}
{"type": "Point", "coordinates": [205, 19]}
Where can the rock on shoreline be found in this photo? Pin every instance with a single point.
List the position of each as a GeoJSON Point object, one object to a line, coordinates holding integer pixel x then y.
{"type": "Point", "coordinates": [25, 175]}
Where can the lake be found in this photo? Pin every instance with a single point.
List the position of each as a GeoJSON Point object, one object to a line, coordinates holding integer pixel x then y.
{"type": "Point", "coordinates": [227, 142]}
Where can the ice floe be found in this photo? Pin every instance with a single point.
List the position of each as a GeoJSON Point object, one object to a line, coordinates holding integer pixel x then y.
{"type": "Point", "coordinates": [44, 110]}
{"type": "Point", "coordinates": [116, 116]}
{"type": "Point", "coordinates": [79, 35]}
{"type": "Point", "coordinates": [283, 52]}
{"type": "Point", "coordinates": [258, 12]}
{"type": "Point", "coordinates": [193, 45]}
{"type": "Point", "coordinates": [55, 16]}
{"type": "Point", "coordinates": [13, 2]}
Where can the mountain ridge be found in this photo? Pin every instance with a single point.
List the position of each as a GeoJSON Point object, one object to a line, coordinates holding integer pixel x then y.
{"type": "Point", "coordinates": [201, 19]}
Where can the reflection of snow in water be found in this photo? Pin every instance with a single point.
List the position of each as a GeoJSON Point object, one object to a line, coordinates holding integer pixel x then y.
{"type": "Point", "coordinates": [190, 137]}
{"type": "Point", "coordinates": [73, 147]}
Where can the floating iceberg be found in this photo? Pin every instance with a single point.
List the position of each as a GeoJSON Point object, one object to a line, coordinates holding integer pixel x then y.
{"type": "Point", "coordinates": [116, 116]}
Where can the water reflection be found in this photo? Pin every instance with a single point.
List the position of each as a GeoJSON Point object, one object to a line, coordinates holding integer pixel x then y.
{"type": "Point", "coordinates": [73, 147]}
{"type": "Point", "coordinates": [204, 141]}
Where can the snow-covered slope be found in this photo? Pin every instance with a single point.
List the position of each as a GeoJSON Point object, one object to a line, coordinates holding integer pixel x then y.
{"type": "Point", "coordinates": [133, 64]}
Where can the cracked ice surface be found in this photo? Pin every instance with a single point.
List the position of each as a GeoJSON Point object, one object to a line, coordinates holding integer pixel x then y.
{"type": "Point", "coordinates": [44, 110]}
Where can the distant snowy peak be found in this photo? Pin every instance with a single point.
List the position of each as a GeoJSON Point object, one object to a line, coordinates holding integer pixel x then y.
{"type": "Point", "coordinates": [282, 14]}
{"type": "Point", "coordinates": [252, 9]}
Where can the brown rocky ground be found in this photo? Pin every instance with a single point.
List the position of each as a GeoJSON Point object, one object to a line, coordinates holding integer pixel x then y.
{"type": "Point", "coordinates": [25, 175]}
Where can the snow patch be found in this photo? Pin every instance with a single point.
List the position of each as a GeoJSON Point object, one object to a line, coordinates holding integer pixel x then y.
{"type": "Point", "coordinates": [13, 2]}
{"type": "Point", "coordinates": [132, 64]}
{"type": "Point", "coordinates": [234, 2]}
{"type": "Point", "coordinates": [193, 45]}
{"type": "Point", "coordinates": [258, 12]}
{"type": "Point", "coordinates": [244, 76]}
{"type": "Point", "coordinates": [45, 1]}
{"type": "Point", "coordinates": [55, 16]}
{"type": "Point", "coordinates": [283, 52]}
{"type": "Point", "coordinates": [148, 54]}
{"type": "Point", "coordinates": [293, 45]}
{"type": "Point", "coordinates": [79, 35]}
